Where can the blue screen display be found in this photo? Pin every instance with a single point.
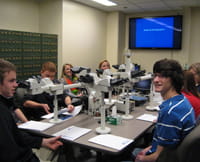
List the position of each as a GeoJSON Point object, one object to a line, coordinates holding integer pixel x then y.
{"type": "Point", "coordinates": [159, 32]}
{"type": "Point", "coordinates": [155, 32]}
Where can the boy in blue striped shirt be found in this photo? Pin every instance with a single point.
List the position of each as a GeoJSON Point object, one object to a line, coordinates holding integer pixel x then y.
{"type": "Point", "coordinates": [176, 116]}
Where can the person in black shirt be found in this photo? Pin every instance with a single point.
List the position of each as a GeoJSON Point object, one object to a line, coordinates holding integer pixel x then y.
{"type": "Point", "coordinates": [38, 105]}
{"type": "Point", "coordinates": [16, 145]}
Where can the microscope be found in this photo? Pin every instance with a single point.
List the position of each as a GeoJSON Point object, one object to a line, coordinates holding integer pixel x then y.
{"type": "Point", "coordinates": [96, 87]}
{"type": "Point", "coordinates": [127, 71]}
{"type": "Point", "coordinates": [34, 86]}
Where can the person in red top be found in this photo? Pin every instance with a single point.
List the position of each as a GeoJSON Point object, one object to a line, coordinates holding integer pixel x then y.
{"type": "Point", "coordinates": [195, 69]}
{"type": "Point", "coordinates": [191, 93]}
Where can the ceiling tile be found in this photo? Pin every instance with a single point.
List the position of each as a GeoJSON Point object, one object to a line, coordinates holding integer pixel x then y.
{"type": "Point", "coordinates": [131, 6]}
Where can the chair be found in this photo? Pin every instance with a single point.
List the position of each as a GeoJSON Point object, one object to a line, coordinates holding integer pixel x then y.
{"type": "Point", "coordinates": [19, 96]}
{"type": "Point", "coordinates": [187, 151]}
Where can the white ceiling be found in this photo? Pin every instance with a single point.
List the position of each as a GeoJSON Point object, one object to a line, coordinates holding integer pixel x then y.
{"type": "Point", "coordinates": [132, 6]}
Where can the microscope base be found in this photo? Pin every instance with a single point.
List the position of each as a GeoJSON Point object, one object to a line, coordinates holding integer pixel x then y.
{"type": "Point", "coordinates": [100, 130]}
{"type": "Point", "coordinates": [55, 121]}
{"type": "Point", "coordinates": [127, 117]}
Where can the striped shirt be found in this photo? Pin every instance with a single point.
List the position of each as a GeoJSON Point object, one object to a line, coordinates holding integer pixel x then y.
{"type": "Point", "coordinates": [175, 120]}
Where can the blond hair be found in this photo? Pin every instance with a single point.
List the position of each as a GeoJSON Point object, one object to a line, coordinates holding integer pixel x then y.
{"type": "Point", "coordinates": [100, 64]}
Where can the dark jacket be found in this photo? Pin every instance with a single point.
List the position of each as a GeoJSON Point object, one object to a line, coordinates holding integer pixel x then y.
{"type": "Point", "coordinates": [45, 98]}
{"type": "Point", "coordinates": [15, 144]}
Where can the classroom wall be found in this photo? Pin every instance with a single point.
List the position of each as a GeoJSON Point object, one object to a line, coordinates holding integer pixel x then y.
{"type": "Point", "coordinates": [115, 38]}
{"type": "Point", "coordinates": [87, 35]}
{"type": "Point", "coordinates": [19, 15]}
{"type": "Point", "coordinates": [50, 21]}
{"type": "Point", "coordinates": [112, 38]}
{"type": "Point", "coordinates": [84, 35]}
{"type": "Point", "coordinates": [195, 36]}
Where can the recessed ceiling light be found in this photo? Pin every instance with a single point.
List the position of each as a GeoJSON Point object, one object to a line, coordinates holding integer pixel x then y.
{"type": "Point", "coordinates": [105, 2]}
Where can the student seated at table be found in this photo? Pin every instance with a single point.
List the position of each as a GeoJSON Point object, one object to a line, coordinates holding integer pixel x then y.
{"type": "Point", "coordinates": [176, 116]}
{"type": "Point", "coordinates": [69, 77]}
{"type": "Point", "coordinates": [16, 145]}
{"type": "Point", "coordinates": [103, 65]}
{"type": "Point", "coordinates": [78, 95]}
{"type": "Point", "coordinates": [38, 105]}
{"type": "Point", "coordinates": [195, 69]}
{"type": "Point", "coordinates": [191, 93]}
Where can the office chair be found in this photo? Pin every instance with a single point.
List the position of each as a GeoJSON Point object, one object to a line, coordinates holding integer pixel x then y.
{"type": "Point", "coordinates": [187, 151]}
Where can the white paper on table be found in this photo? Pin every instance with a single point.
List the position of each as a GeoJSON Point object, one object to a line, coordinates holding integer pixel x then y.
{"type": "Point", "coordinates": [64, 111]}
{"type": "Point", "coordinates": [75, 112]}
{"type": "Point", "coordinates": [48, 116]}
{"type": "Point", "coordinates": [152, 108]}
{"type": "Point", "coordinates": [107, 101]}
{"type": "Point", "coordinates": [72, 132]}
{"type": "Point", "coordinates": [111, 141]}
{"type": "Point", "coordinates": [35, 125]}
{"type": "Point", "coordinates": [147, 117]}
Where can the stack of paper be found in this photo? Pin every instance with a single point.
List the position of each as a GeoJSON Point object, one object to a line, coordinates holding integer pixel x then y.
{"type": "Point", "coordinates": [35, 125]}
{"type": "Point", "coordinates": [152, 108]}
{"type": "Point", "coordinates": [111, 141]}
{"type": "Point", "coordinates": [72, 132]}
{"type": "Point", "coordinates": [64, 111]}
{"type": "Point", "coordinates": [147, 117]}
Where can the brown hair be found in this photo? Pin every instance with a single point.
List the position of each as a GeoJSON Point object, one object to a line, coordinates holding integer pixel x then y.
{"type": "Point", "coordinates": [195, 67]}
{"type": "Point", "coordinates": [49, 66]}
{"type": "Point", "coordinates": [189, 84]}
{"type": "Point", "coordinates": [5, 66]}
{"type": "Point", "coordinates": [171, 69]}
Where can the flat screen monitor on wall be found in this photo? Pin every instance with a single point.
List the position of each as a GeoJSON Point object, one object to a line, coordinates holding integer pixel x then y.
{"type": "Point", "coordinates": [155, 32]}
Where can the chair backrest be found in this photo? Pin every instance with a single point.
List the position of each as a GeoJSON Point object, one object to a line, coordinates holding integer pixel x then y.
{"type": "Point", "coordinates": [187, 151]}
{"type": "Point", "coordinates": [20, 92]}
